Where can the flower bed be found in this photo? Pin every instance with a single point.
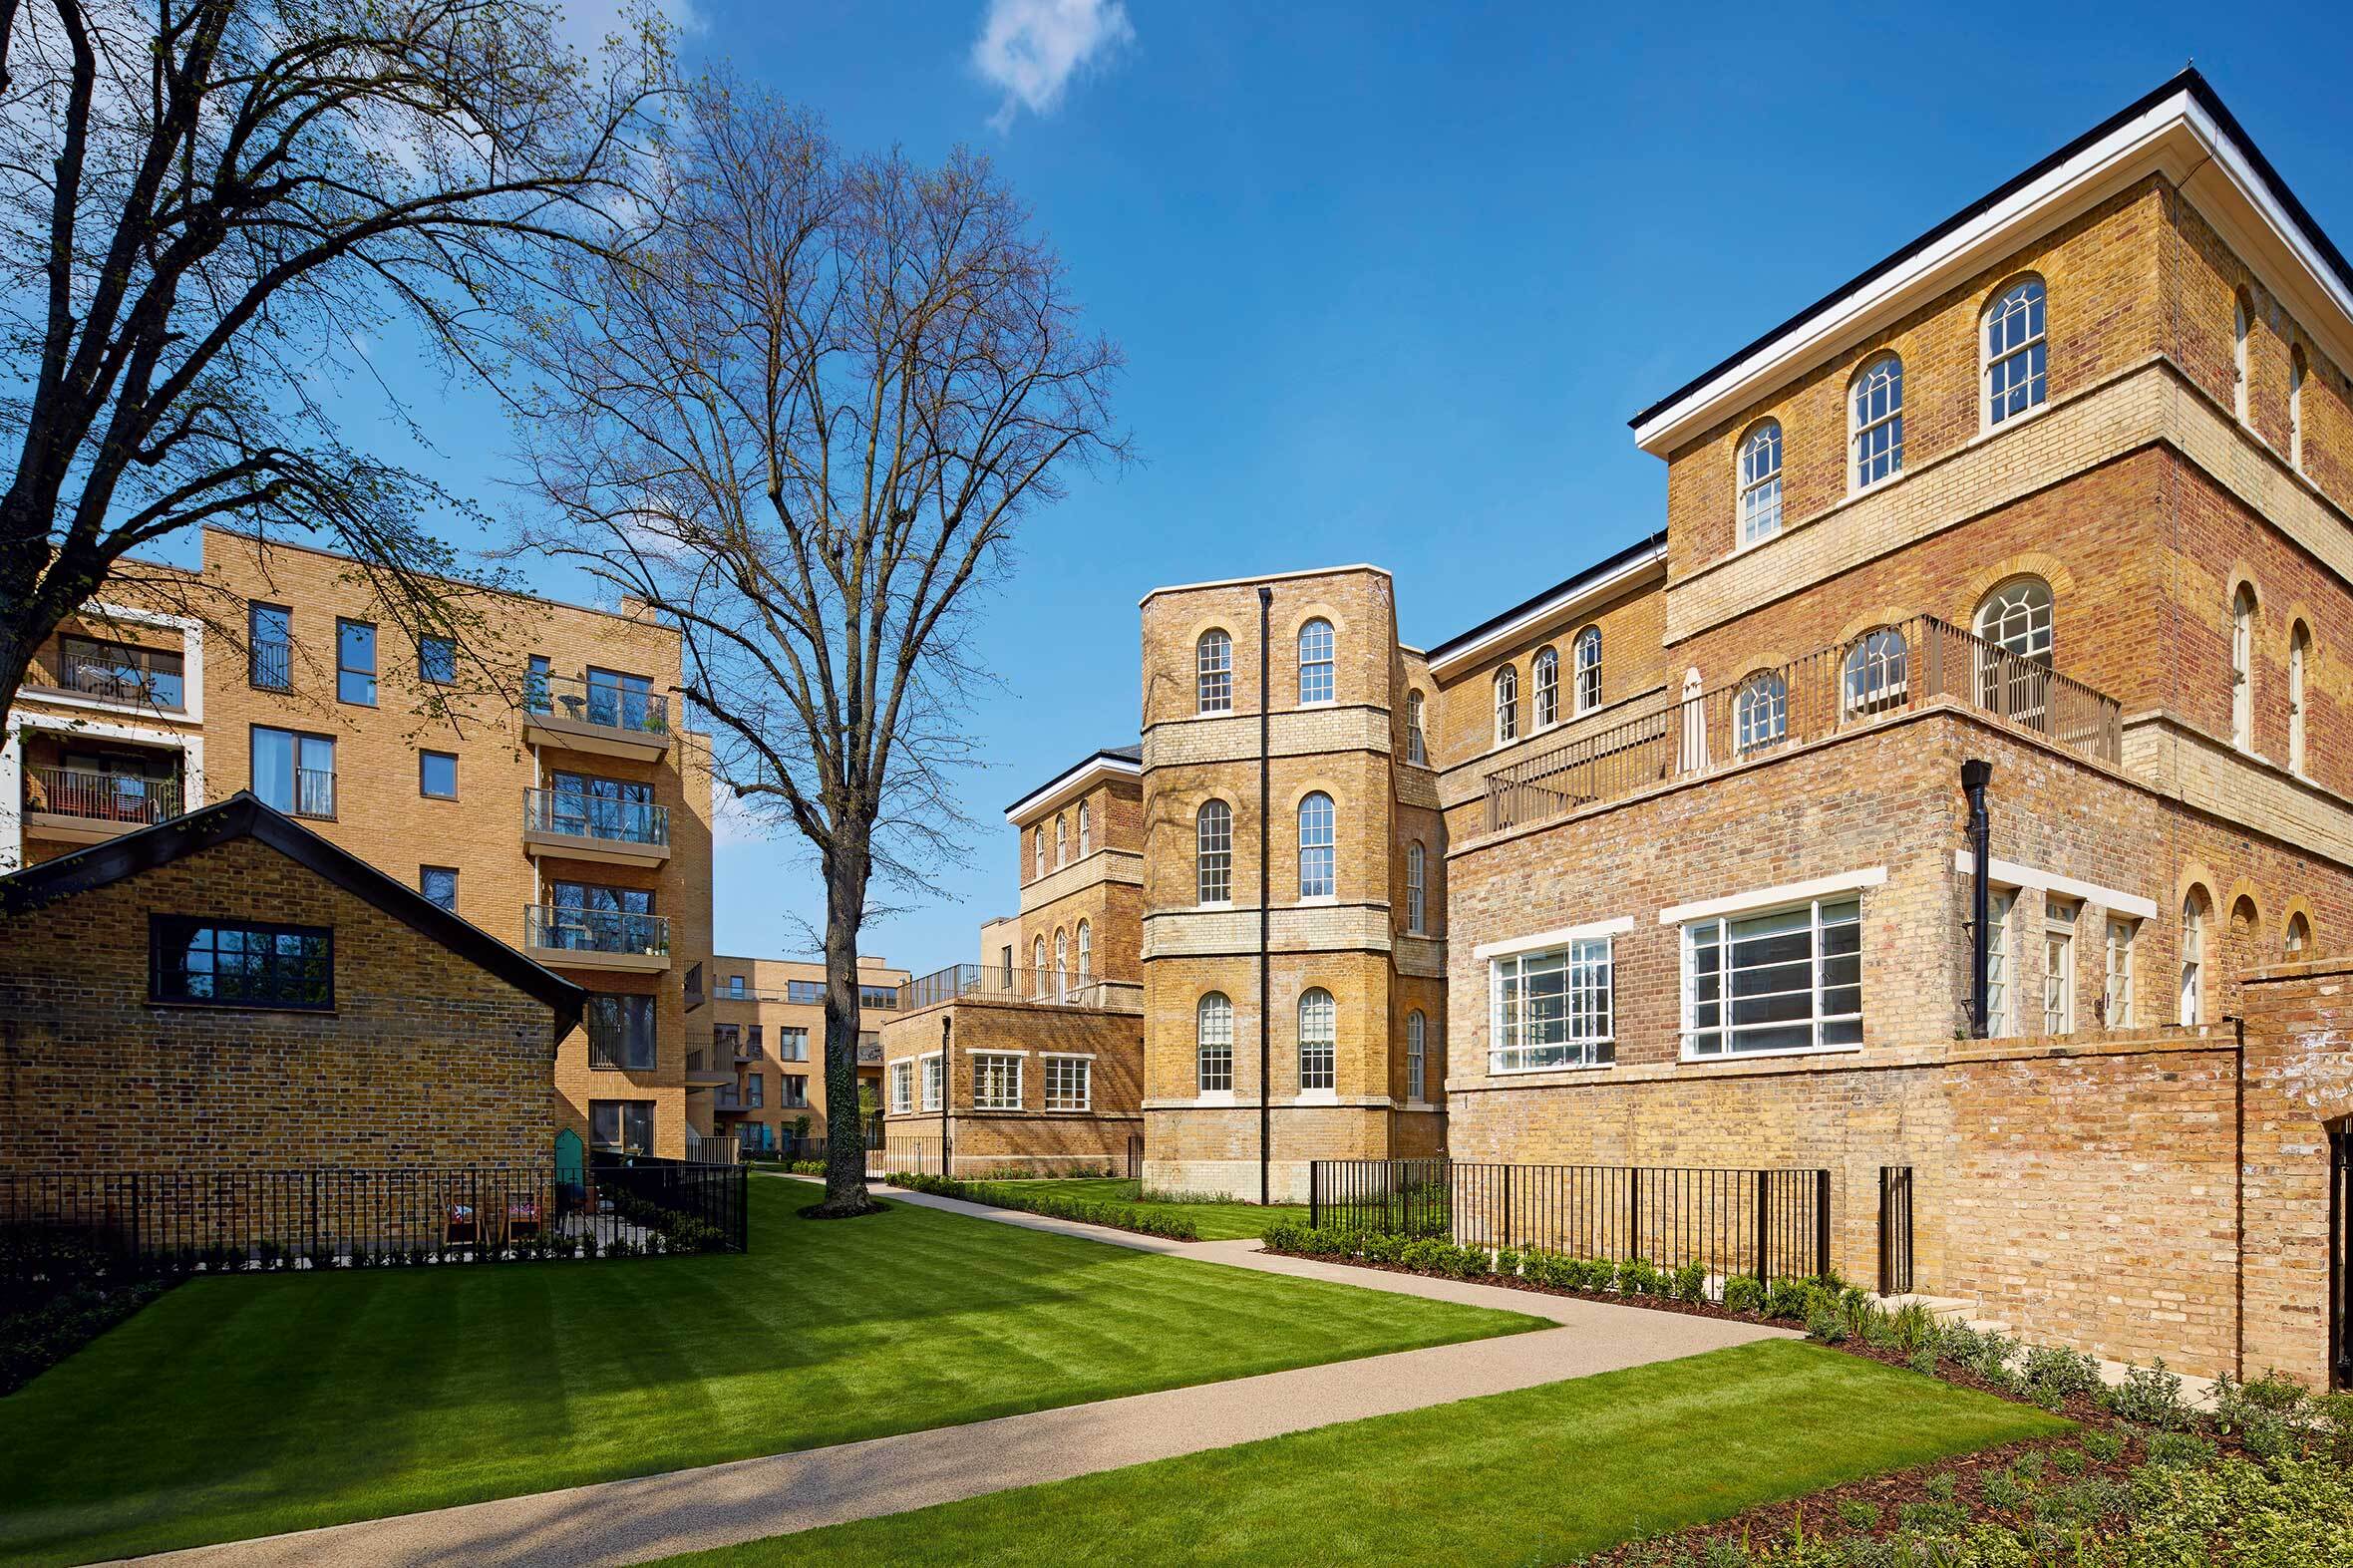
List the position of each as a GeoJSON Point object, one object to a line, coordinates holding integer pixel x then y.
{"type": "Point", "coordinates": [1173, 1227]}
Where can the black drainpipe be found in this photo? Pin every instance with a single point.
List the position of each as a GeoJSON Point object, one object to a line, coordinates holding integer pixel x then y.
{"type": "Point", "coordinates": [1974, 774]}
{"type": "Point", "coordinates": [1265, 890]}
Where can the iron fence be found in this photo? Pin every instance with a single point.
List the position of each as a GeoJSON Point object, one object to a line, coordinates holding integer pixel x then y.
{"type": "Point", "coordinates": [58, 1227]}
{"type": "Point", "coordinates": [1770, 1223]}
{"type": "Point", "coordinates": [918, 1156]}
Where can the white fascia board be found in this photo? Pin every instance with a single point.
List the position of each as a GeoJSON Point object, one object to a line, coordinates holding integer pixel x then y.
{"type": "Point", "coordinates": [2009, 873]}
{"type": "Point", "coordinates": [1768, 897]}
{"type": "Point", "coordinates": [1570, 600]}
{"type": "Point", "coordinates": [1272, 576]}
{"type": "Point", "coordinates": [1071, 782]}
{"type": "Point", "coordinates": [1545, 939]}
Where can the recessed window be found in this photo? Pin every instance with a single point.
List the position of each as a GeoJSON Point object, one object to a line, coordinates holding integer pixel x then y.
{"type": "Point", "coordinates": [1061, 843]}
{"type": "Point", "coordinates": [1875, 675]}
{"type": "Point", "coordinates": [2016, 620]}
{"type": "Point", "coordinates": [902, 1087]}
{"type": "Point", "coordinates": [1069, 1084]}
{"type": "Point", "coordinates": [791, 1090]}
{"type": "Point", "coordinates": [1316, 662]}
{"type": "Point", "coordinates": [1553, 1008]}
{"type": "Point", "coordinates": [2299, 936]}
{"type": "Point", "coordinates": [437, 659]}
{"type": "Point", "coordinates": [1784, 980]}
{"type": "Point", "coordinates": [1060, 964]}
{"type": "Point", "coordinates": [1416, 1065]}
{"type": "Point", "coordinates": [1545, 673]}
{"type": "Point", "coordinates": [878, 995]}
{"type": "Point", "coordinates": [621, 1126]}
{"type": "Point", "coordinates": [1506, 706]}
{"type": "Point", "coordinates": [1213, 853]}
{"type": "Point", "coordinates": [236, 963]}
{"type": "Point", "coordinates": [1998, 1004]}
{"type": "Point", "coordinates": [355, 663]}
{"type": "Point", "coordinates": [2193, 987]}
{"type": "Point", "coordinates": [1086, 833]}
{"type": "Point", "coordinates": [1318, 1040]}
{"type": "Point", "coordinates": [294, 773]}
{"type": "Point", "coordinates": [2059, 923]}
{"type": "Point", "coordinates": [2016, 353]}
{"type": "Point", "coordinates": [996, 1082]}
{"type": "Point", "coordinates": [1588, 658]}
{"type": "Point", "coordinates": [1417, 750]}
{"type": "Point", "coordinates": [1760, 712]}
{"type": "Point", "coordinates": [1315, 846]}
{"type": "Point", "coordinates": [538, 682]}
{"type": "Point", "coordinates": [437, 774]}
{"type": "Point", "coordinates": [2242, 321]}
{"type": "Point", "coordinates": [2299, 656]}
{"type": "Point", "coordinates": [755, 1089]}
{"type": "Point", "coordinates": [1415, 900]}
{"type": "Point", "coordinates": [270, 638]}
{"type": "Point", "coordinates": [1213, 1043]}
{"type": "Point", "coordinates": [1760, 484]}
{"type": "Point", "coordinates": [1038, 965]}
{"type": "Point", "coordinates": [1213, 678]}
{"type": "Point", "coordinates": [931, 1081]}
{"type": "Point", "coordinates": [791, 1041]}
{"type": "Point", "coordinates": [620, 1032]}
{"type": "Point", "coordinates": [1086, 952]}
{"type": "Point", "coordinates": [2243, 668]}
{"type": "Point", "coordinates": [1038, 849]}
{"type": "Point", "coordinates": [1875, 447]}
{"type": "Point", "coordinates": [805, 993]}
{"type": "Point", "coordinates": [2295, 407]}
{"type": "Point", "coordinates": [438, 884]}
{"type": "Point", "coordinates": [2116, 986]}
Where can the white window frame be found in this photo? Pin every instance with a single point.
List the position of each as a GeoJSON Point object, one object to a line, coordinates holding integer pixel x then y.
{"type": "Point", "coordinates": [2244, 608]}
{"type": "Point", "coordinates": [1324, 686]}
{"type": "Point", "coordinates": [2241, 327]}
{"type": "Point", "coordinates": [1719, 925]}
{"type": "Point", "coordinates": [1585, 654]}
{"type": "Point", "coordinates": [1416, 903]}
{"type": "Point", "coordinates": [1875, 424]}
{"type": "Point", "coordinates": [2033, 297]}
{"type": "Point", "coordinates": [1326, 1046]}
{"type": "Point", "coordinates": [1765, 693]}
{"type": "Point", "coordinates": [1416, 1028]}
{"type": "Point", "coordinates": [1876, 675]}
{"type": "Point", "coordinates": [1756, 510]}
{"type": "Point", "coordinates": [1506, 687]}
{"type": "Point", "coordinates": [1085, 832]}
{"type": "Point", "coordinates": [990, 1068]}
{"type": "Point", "coordinates": [2298, 369]}
{"type": "Point", "coordinates": [1207, 859]}
{"type": "Point", "coordinates": [1326, 852]}
{"type": "Point", "coordinates": [932, 1072]}
{"type": "Point", "coordinates": [2296, 942]}
{"type": "Point", "coordinates": [2060, 922]}
{"type": "Point", "coordinates": [902, 1087]}
{"type": "Point", "coordinates": [1213, 659]}
{"type": "Point", "coordinates": [1086, 953]}
{"type": "Point", "coordinates": [2001, 968]}
{"type": "Point", "coordinates": [1586, 1018]}
{"type": "Point", "coordinates": [2299, 658]}
{"type": "Point", "coordinates": [1205, 1024]}
{"type": "Point", "coordinates": [2116, 989]}
{"type": "Point", "coordinates": [1061, 841]}
{"type": "Point", "coordinates": [2191, 998]}
{"type": "Point", "coordinates": [1417, 745]}
{"type": "Point", "coordinates": [1066, 1062]}
{"type": "Point", "coordinates": [1545, 675]}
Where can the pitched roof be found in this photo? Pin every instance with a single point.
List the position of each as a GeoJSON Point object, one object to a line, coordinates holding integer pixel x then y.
{"type": "Point", "coordinates": [244, 815]}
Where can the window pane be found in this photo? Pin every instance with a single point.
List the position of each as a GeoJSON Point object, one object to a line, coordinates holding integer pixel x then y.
{"type": "Point", "coordinates": [355, 662]}
{"type": "Point", "coordinates": [438, 775]}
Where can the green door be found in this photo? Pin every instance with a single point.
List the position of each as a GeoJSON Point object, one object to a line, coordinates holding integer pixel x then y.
{"type": "Point", "coordinates": [571, 1166]}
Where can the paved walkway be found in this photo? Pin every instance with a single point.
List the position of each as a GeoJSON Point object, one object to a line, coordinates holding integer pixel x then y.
{"type": "Point", "coordinates": [723, 1504]}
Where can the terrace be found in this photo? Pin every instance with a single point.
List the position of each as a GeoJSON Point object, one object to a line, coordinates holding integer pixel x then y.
{"type": "Point", "coordinates": [85, 806]}
{"type": "Point", "coordinates": [1043, 987]}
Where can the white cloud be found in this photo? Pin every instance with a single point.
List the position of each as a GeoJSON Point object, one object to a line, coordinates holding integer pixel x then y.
{"type": "Point", "coordinates": [586, 24]}
{"type": "Point", "coordinates": [1032, 47]}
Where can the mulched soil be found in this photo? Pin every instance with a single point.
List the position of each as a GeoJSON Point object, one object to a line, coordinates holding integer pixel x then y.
{"type": "Point", "coordinates": [1690, 1309]}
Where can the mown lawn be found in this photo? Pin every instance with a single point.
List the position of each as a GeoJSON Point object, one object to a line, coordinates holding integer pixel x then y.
{"type": "Point", "coordinates": [235, 1407]}
{"type": "Point", "coordinates": [1545, 1475]}
{"type": "Point", "coordinates": [1215, 1221]}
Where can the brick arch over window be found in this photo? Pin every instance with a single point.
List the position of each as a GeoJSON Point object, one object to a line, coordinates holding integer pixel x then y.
{"type": "Point", "coordinates": [2297, 920]}
{"type": "Point", "coordinates": [2244, 948]}
{"type": "Point", "coordinates": [1961, 608]}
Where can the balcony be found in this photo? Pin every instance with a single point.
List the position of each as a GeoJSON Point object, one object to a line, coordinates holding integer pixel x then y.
{"type": "Point", "coordinates": [579, 826]}
{"type": "Point", "coordinates": [151, 680]}
{"type": "Point", "coordinates": [597, 713]}
{"type": "Point", "coordinates": [703, 1072]}
{"type": "Point", "coordinates": [567, 937]}
{"type": "Point", "coordinates": [1832, 691]}
{"type": "Point", "coordinates": [84, 807]}
{"type": "Point", "coordinates": [994, 982]}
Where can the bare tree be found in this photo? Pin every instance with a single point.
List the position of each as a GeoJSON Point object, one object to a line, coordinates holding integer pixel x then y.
{"type": "Point", "coordinates": [210, 204]}
{"type": "Point", "coordinates": [804, 423]}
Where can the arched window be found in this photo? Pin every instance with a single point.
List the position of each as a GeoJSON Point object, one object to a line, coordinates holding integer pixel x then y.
{"type": "Point", "coordinates": [1506, 706]}
{"type": "Point", "coordinates": [1546, 674]}
{"type": "Point", "coordinates": [1213, 1043]}
{"type": "Point", "coordinates": [2016, 354]}
{"type": "Point", "coordinates": [1061, 841]}
{"type": "Point", "coordinates": [1760, 484]}
{"type": "Point", "coordinates": [2296, 406]}
{"type": "Point", "coordinates": [1876, 670]}
{"type": "Point", "coordinates": [1038, 845]}
{"type": "Point", "coordinates": [1416, 747]}
{"type": "Point", "coordinates": [2242, 320]}
{"type": "Point", "coordinates": [1084, 837]}
{"type": "Point", "coordinates": [1415, 908]}
{"type": "Point", "coordinates": [1315, 661]}
{"type": "Point", "coordinates": [1318, 1039]}
{"type": "Point", "coordinates": [1416, 1067]}
{"type": "Point", "coordinates": [1060, 964]}
{"type": "Point", "coordinates": [1038, 967]}
{"type": "Point", "coordinates": [2016, 618]}
{"type": "Point", "coordinates": [1214, 677]}
{"type": "Point", "coordinates": [1315, 846]}
{"type": "Point", "coordinates": [1086, 953]}
{"type": "Point", "coordinates": [2299, 655]}
{"type": "Point", "coordinates": [2193, 958]}
{"type": "Point", "coordinates": [1588, 656]}
{"type": "Point", "coordinates": [2300, 935]}
{"type": "Point", "coordinates": [1760, 711]}
{"type": "Point", "coordinates": [1875, 441]}
{"type": "Point", "coordinates": [2242, 667]}
{"type": "Point", "coordinates": [1214, 852]}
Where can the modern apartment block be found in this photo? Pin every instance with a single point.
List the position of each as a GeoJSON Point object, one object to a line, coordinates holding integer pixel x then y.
{"type": "Point", "coordinates": [563, 812]}
{"type": "Point", "coordinates": [1045, 1033]}
{"type": "Point", "coordinates": [761, 1078]}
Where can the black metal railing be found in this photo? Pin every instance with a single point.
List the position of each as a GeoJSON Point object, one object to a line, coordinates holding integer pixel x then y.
{"type": "Point", "coordinates": [578, 816]}
{"type": "Point", "coordinates": [995, 983]}
{"type": "Point", "coordinates": [100, 797]}
{"type": "Point", "coordinates": [314, 792]}
{"type": "Point", "coordinates": [608, 704]}
{"type": "Point", "coordinates": [270, 664]}
{"type": "Point", "coordinates": [113, 673]}
{"type": "Point", "coordinates": [1886, 671]}
{"type": "Point", "coordinates": [1895, 1230]}
{"type": "Point", "coordinates": [1770, 1223]}
{"type": "Point", "coordinates": [574, 929]}
{"type": "Point", "coordinates": [58, 1229]}
{"type": "Point", "coordinates": [918, 1156]}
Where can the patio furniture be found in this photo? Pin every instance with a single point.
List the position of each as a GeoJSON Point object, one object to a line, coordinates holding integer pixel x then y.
{"type": "Point", "coordinates": [461, 1230]}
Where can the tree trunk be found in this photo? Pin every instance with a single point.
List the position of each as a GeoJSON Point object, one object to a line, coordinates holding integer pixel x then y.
{"type": "Point", "coordinates": [846, 870]}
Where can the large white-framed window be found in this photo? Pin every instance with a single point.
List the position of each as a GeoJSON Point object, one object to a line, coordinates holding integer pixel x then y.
{"type": "Point", "coordinates": [2059, 924]}
{"type": "Point", "coordinates": [931, 1080]}
{"type": "Point", "coordinates": [2016, 618]}
{"type": "Point", "coordinates": [2242, 321]}
{"type": "Point", "coordinates": [1783, 980]}
{"type": "Point", "coordinates": [2242, 667]}
{"type": "Point", "coordinates": [1316, 878]}
{"type": "Point", "coordinates": [1999, 1001]}
{"type": "Point", "coordinates": [1070, 1081]}
{"type": "Point", "coordinates": [1213, 853]}
{"type": "Point", "coordinates": [1316, 662]}
{"type": "Point", "coordinates": [1760, 711]}
{"type": "Point", "coordinates": [1876, 674]}
{"type": "Point", "coordinates": [1417, 745]}
{"type": "Point", "coordinates": [2299, 657]}
{"type": "Point", "coordinates": [1086, 833]}
{"type": "Point", "coordinates": [1318, 1041]}
{"type": "Point", "coordinates": [1417, 1068]}
{"type": "Point", "coordinates": [1545, 673]}
{"type": "Point", "coordinates": [1552, 1008]}
{"type": "Point", "coordinates": [1507, 704]}
{"type": "Point", "coordinates": [1587, 650]}
{"type": "Point", "coordinates": [1875, 444]}
{"type": "Point", "coordinates": [1214, 673]}
{"type": "Point", "coordinates": [2116, 989]}
{"type": "Point", "coordinates": [1416, 898]}
{"type": "Point", "coordinates": [2017, 354]}
{"type": "Point", "coordinates": [1214, 1044]}
{"type": "Point", "coordinates": [902, 1087]}
{"type": "Point", "coordinates": [1760, 484]}
{"type": "Point", "coordinates": [2192, 996]}
{"type": "Point", "coordinates": [996, 1080]}
{"type": "Point", "coordinates": [2296, 371]}
{"type": "Point", "coordinates": [1061, 843]}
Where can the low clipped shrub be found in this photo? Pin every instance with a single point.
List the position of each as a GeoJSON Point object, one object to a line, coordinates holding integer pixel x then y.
{"type": "Point", "coordinates": [2151, 1397]}
{"type": "Point", "coordinates": [1115, 1216]}
{"type": "Point", "coordinates": [1689, 1283]}
{"type": "Point", "coordinates": [1744, 1293]}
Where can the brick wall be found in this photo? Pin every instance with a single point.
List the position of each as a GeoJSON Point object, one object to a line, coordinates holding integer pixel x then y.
{"type": "Point", "coordinates": [1032, 1137]}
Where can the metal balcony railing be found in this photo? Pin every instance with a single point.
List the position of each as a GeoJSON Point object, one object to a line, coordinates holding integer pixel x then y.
{"type": "Point", "coordinates": [596, 817]}
{"type": "Point", "coordinates": [607, 703]}
{"type": "Point", "coordinates": [995, 983]}
{"type": "Point", "coordinates": [100, 797]}
{"type": "Point", "coordinates": [314, 792]}
{"type": "Point", "coordinates": [578, 930]}
{"type": "Point", "coordinates": [1886, 671]}
{"type": "Point", "coordinates": [270, 664]}
{"type": "Point", "coordinates": [113, 673]}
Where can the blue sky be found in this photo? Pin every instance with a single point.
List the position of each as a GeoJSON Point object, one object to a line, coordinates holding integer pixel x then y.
{"type": "Point", "coordinates": [1391, 281]}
